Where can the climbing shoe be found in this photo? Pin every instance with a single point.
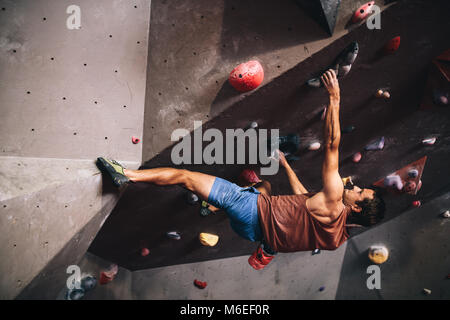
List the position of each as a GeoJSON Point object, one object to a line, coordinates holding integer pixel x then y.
{"type": "Point", "coordinates": [259, 259]}
{"type": "Point", "coordinates": [114, 170]}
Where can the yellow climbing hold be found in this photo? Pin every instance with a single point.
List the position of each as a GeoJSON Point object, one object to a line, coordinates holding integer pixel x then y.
{"type": "Point", "coordinates": [378, 254]}
{"type": "Point", "coordinates": [208, 239]}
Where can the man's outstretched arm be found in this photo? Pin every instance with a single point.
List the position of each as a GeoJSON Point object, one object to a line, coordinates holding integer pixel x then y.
{"type": "Point", "coordinates": [296, 186]}
{"type": "Point", "coordinates": [332, 183]}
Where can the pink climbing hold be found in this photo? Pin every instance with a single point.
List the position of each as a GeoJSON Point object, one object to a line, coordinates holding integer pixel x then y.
{"type": "Point", "coordinates": [429, 141]}
{"type": "Point", "coordinates": [357, 157]}
{"type": "Point", "coordinates": [135, 140]}
{"type": "Point", "coordinates": [145, 252]}
{"type": "Point", "coordinates": [247, 76]}
{"type": "Point", "coordinates": [410, 186]}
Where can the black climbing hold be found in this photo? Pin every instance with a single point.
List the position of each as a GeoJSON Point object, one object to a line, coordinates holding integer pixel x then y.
{"type": "Point", "coordinates": [323, 11]}
{"type": "Point", "coordinates": [348, 129]}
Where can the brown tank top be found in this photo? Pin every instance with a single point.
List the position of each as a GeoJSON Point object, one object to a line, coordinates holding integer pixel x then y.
{"type": "Point", "coordinates": [288, 226]}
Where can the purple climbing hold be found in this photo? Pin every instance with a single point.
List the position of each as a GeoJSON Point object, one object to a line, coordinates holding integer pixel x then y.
{"type": "Point", "coordinates": [321, 288]}
{"type": "Point", "coordinates": [376, 145]}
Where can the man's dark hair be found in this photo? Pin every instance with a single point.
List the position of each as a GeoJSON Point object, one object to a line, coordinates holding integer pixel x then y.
{"type": "Point", "coordinates": [372, 211]}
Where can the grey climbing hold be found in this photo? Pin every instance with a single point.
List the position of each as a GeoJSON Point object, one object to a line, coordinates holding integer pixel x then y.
{"type": "Point", "coordinates": [191, 198]}
{"type": "Point", "coordinates": [445, 214]}
{"type": "Point", "coordinates": [316, 251]}
{"type": "Point", "coordinates": [376, 145]}
{"type": "Point", "coordinates": [74, 294]}
{"type": "Point", "coordinates": [173, 235]}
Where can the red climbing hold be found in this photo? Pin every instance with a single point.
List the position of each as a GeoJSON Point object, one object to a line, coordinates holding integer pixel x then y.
{"type": "Point", "coordinates": [145, 252]}
{"type": "Point", "coordinates": [247, 76]}
{"type": "Point", "coordinates": [410, 186]}
{"type": "Point", "coordinates": [135, 140]}
{"type": "Point", "coordinates": [108, 275]}
{"type": "Point", "coordinates": [362, 12]}
{"type": "Point", "coordinates": [249, 176]}
{"type": "Point", "coordinates": [392, 45]}
{"type": "Point", "coordinates": [416, 203]}
{"type": "Point", "coordinates": [200, 284]}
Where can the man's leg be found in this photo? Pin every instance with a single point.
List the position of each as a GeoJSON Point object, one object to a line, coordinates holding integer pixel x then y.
{"type": "Point", "coordinates": [197, 182]}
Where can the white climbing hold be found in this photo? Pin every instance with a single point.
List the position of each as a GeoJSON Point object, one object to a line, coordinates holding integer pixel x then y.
{"type": "Point", "coordinates": [445, 214]}
{"type": "Point", "coordinates": [429, 141]}
{"type": "Point", "coordinates": [426, 291]}
{"type": "Point", "coordinates": [314, 146]}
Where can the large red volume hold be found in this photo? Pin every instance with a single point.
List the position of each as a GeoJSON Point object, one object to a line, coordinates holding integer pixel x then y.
{"type": "Point", "coordinates": [247, 76]}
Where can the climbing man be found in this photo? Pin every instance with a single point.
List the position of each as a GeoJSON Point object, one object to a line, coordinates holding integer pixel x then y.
{"type": "Point", "coordinates": [286, 223]}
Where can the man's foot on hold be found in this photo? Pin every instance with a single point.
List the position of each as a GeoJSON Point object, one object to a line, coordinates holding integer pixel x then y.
{"type": "Point", "coordinates": [259, 259]}
{"type": "Point", "coordinates": [114, 170]}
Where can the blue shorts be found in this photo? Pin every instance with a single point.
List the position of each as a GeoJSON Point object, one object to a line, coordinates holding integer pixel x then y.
{"type": "Point", "coordinates": [240, 204]}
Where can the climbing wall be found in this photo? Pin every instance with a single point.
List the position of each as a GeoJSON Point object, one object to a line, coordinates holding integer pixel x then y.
{"type": "Point", "coordinates": [283, 101]}
{"type": "Point", "coordinates": [72, 88]}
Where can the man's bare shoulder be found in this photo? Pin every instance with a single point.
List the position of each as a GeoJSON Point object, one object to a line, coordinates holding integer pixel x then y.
{"type": "Point", "coordinates": [323, 209]}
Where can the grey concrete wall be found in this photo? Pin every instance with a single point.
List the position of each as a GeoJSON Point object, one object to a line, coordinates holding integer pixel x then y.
{"type": "Point", "coordinates": [66, 98]}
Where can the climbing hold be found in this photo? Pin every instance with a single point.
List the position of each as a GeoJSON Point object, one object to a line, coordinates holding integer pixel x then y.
{"type": "Point", "coordinates": [386, 95]}
{"type": "Point", "coordinates": [378, 254]}
{"type": "Point", "coordinates": [208, 239]}
{"type": "Point", "coordinates": [363, 12]}
{"type": "Point", "coordinates": [410, 186]}
{"type": "Point", "coordinates": [379, 93]}
{"type": "Point", "coordinates": [247, 76]}
{"type": "Point", "coordinates": [348, 129]}
{"type": "Point", "coordinates": [314, 146]}
{"type": "Point", "coordinates": [145, 252]}
{"type": "Point", "coordinates": [416, 203]}
{"type": "Point", "coordinates": [75, 294]}
{"type": "Point", "coordinates": [321, 288]}
{"type": "Point", "coordinates": [413, 173]}
{"type": "Point", "coordinates": [315, 251]}
{"type": "Point", "coordinates": [440, 97]}
{"type": "Point", "coordinates": [289, 145]}
{"type": "Point", "coordinates": [173, 235]}
{"type": "Point", "coordinates": [249, 176]}
{"type": "Point", "coordinates": [204, 210]}
{"type": "Point", "coordinates": [347, 181]}
{"type": "Point", "coordinates": [200, 284]}
{"type": "Point", "coordinates": [376, 145]}
{"type": "Point", "coordinates": [109, 274]}
{"type": "Point", "coordinates": [135, 140]}
{"type": "Point", "coordinates": [426, 291]}
{"type": "Point", "coordinates": [191, 198]}
{"type": "Point", "coordinates": [429, 141]}
{"type": "Point", "coordinates": [88, 282]}
{"type": "Point", "coordinates": [341, 65]}
{"type": "Point", "coordinates": [253, 125]}
{"type": "Point", "coordinates": [445, 214]}
{"type": "Point", "coordinates": [392, 45]}
{"type": "Point", "coordinates": [393, 181]}
{"type": "Point", "coordinates": [357, 157]}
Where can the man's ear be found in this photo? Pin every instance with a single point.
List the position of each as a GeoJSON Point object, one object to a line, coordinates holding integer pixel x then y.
{"type": "Point", "coordinates": [356, 208]}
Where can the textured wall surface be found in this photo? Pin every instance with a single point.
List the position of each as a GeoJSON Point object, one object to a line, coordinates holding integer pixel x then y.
{"type": "Point", "coordinates": [66, 98]}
